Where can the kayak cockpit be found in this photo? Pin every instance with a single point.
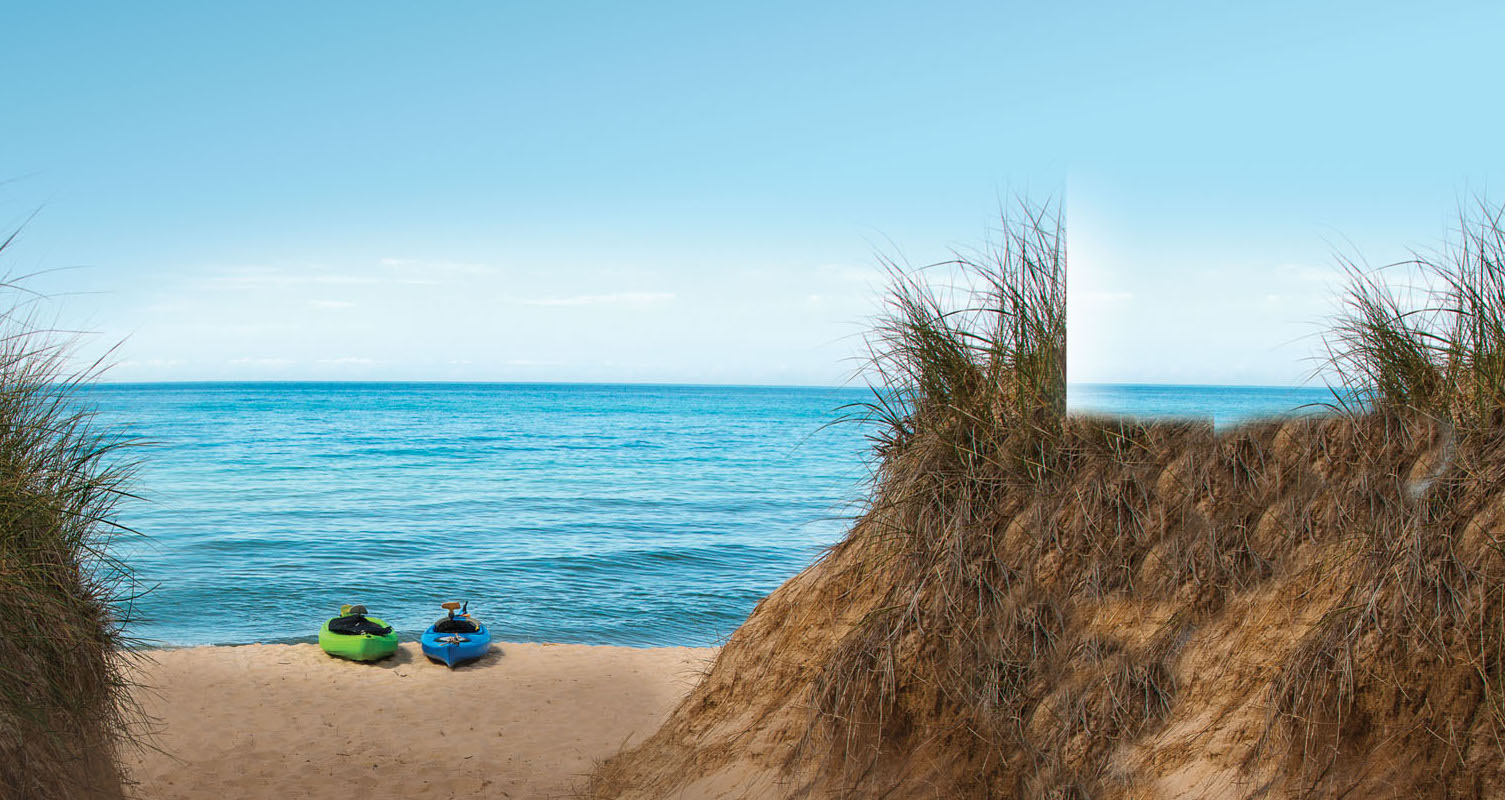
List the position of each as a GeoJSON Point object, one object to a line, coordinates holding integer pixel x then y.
{"type": "Point", "coordinates": [357, 637]}
{"type": "Point", "coordinates": [358, 625]}
{"type": "Point", "coordinates": [456, 638]}
{"type": "Point", "coordinates": [457, 625]}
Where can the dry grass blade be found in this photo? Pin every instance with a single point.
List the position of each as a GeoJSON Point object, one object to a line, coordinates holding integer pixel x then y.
{"type": "Point", "coordinates": [1428, 335]}
{"type": "Point", "coordinates": [968, 377]}
{"type": "Point", "coordinates": [65, 708]}
{"type": "Point", "coordinates": [972, 351]}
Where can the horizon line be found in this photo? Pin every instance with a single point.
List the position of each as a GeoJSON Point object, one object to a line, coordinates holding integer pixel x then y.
{"type": "Point", "coordinates": [449, 382]}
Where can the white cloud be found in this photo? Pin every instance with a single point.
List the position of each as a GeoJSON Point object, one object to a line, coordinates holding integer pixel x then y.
{"type": "Point", "coordinates": [254, 278]}
{"type": "Point", "coordinates": [1311, 274]}
{"type": "Point", "coordinates": [149, 363]}
{"type": "Point", "coordinates": [526, 362]}
{"type": "Point", "coordinates": [348, 361]}
{"type": "Point", "coordinates": [426, 265]}
{"type": "Point", "coordinates": [331, 304]}
{"type": "Point", "coordinates": [261, 362]}
{"type": "Point", "coordinates": [618, 299]}
{"type": "Point", "coordinates": [855, 274]}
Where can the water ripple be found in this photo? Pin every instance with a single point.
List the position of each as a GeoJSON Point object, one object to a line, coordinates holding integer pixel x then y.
{"type": "Point", "coordinates": [618, 515]}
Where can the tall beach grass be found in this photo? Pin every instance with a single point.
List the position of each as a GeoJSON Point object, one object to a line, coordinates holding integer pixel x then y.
{"type": "Point", "coordinates": [64, 706]}
{"type": "Point", "coordinates": [968, 375]}
{"type": "Point", "coordinates": [967, 364]}
{"type": "Point", "coordinates": [1001, 523]}
{"type": "Point", "coordinates": [1037, 605]}
{"type": "Point", "coordinates": [1417, 358]}
{"type": "Point", "coordinates": [1428, 334]}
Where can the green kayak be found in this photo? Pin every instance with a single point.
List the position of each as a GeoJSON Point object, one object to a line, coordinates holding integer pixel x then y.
{"type": "Point", "coordinates": [355, 636]}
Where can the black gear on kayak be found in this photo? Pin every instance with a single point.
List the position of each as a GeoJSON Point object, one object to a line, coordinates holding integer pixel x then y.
{"type": "Point", "coordinates": [456, 625]}
{"type": "Point", "coordinates": [357, 625]}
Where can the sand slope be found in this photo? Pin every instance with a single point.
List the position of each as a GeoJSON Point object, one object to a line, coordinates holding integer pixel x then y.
{"type": "Point", "coordinates": [288, 721]}
{"type": "Point", "coordinates": [1309, 608]}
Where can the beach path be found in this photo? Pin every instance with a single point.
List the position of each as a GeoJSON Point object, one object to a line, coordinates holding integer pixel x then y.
{"type": "Point", "coordinates": [286, 722]}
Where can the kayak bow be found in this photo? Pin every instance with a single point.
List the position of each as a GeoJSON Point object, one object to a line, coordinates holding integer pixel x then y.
{"type": "Point", "coordinates": [456, 639]}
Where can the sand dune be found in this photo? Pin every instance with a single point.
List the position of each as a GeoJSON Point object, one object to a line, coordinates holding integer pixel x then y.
{"type": "Point", "coordinates": [288, 721]}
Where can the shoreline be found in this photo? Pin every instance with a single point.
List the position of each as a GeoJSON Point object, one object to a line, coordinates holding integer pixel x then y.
{"type": "Point", "coordinates": [282, 721]}
{"type": "Point", "coordinates": [405, 639]}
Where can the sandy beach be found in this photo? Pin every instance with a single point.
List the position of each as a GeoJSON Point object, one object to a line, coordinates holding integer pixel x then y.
{"type": "Point", "coordinates": [288, 721]}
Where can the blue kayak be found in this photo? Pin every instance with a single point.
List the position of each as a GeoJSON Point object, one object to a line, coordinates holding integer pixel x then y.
{"type": "Point", "coordinates": [455, 639]}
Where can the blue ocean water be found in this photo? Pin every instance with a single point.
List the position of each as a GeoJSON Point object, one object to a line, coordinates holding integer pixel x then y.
{"type": "Point", "coordinates": [598, 514]}
{"type": "Point", "coordinates": [1225, 405]}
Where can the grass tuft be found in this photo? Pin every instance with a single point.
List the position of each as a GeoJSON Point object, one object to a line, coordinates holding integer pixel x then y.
{"type": "Point", "coordinates": [968, 378]}
{"type": "Point", "coordinates": [1415, 477]}
{"type": "Point", "coordinates": [1428, 335]}
{"type": "Point", "coordinates": [65, 709]}
{"type": "Point", "coordinates": [969, 360]}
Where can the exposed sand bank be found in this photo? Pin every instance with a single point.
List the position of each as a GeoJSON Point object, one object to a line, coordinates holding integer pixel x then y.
{"type": "Point", "coordinates": [288, 721]}
{"type": "Point", "coordinates": [1308, 608]}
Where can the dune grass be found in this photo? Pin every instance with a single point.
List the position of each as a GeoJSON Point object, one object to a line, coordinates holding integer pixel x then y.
{"type": "Point", "coordinates": [1000, 526]}
{"type": "Point", "coordinates": [64, 705]}
{"type": "Point", "coordinates": [968, 375]}
{"type": "Point", "coordinates": [1418, 361]}
{"type": "Point", "coordinates": [970, 354]}
{"type": "Point", "coordinates": [1428, 334]}
{"type": "Point", "coordinates": [1019, 611]}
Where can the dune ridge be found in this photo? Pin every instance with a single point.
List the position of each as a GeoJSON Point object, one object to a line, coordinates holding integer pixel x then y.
{"type": "Point", "coordinates": [1287, 609]}
{"type": "Point", "coordinates": [1037, 605]}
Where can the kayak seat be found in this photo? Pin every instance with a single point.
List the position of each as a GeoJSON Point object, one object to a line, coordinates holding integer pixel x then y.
{"type": "Point", "coordinates": [456, 626]}
{"type": "Point", "coordinates": [357, 625]}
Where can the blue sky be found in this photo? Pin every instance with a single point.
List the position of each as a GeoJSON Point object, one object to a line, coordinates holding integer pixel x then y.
{"type": "Point", "coordinates": [695, 192]}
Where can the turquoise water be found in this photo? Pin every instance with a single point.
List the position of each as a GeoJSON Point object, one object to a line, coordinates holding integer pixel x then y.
{"type": "Point", "coordinates": [617, 514]}
{"type": "Point", "coordinates": [1226, 405]}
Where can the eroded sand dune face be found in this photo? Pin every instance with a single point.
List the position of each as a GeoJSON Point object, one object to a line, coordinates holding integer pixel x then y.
{"type": "Point", "coordinates": [288, 721]}
{"type": "Point", "coordinates": [1302, 609]}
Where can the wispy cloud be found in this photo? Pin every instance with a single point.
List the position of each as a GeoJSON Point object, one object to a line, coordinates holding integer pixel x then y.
{"type": "Point", "coordinates": [1304, 272]}
{"type": "Point", "coordinates": [254, 278]}
{"type": "Point", "coordinates": [855, 274]}
{"type": "Point", "coordinates": [617, 299]}
{"type": "Point", "coordinates": [357, 361]}
{"type": "Point", "coordinates": [331, 304]}
{"type": "Point", "coordinates": [438, 266]}
{"type": "Point", "coordinates": [262, 362]}
{"type": "Point", "coordinates": [148, 362]}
